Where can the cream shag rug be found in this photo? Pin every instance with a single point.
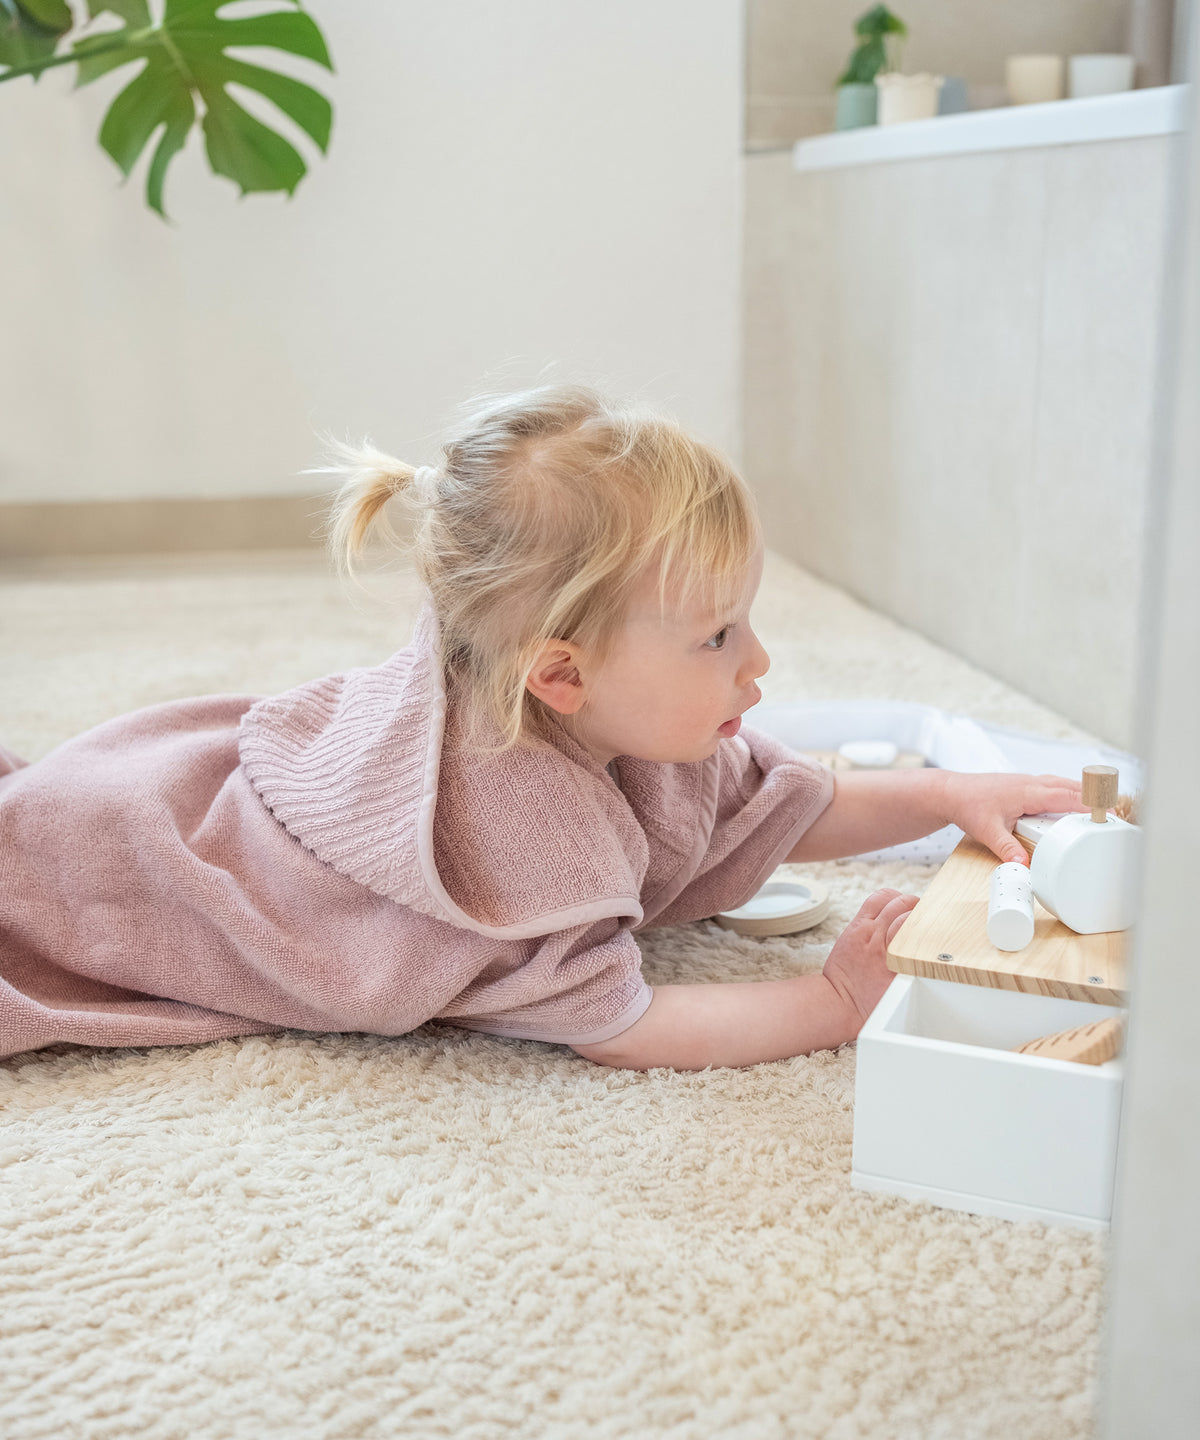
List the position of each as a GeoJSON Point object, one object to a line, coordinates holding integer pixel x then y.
{"type": "Point", "coordinates": [456, 1235]}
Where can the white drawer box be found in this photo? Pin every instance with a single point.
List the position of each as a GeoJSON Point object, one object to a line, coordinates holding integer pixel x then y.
{"type": "Point", "coordinates": [945, 1112]}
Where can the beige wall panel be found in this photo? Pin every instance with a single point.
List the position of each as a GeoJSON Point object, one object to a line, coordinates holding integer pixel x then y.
{"type": "Point", "coordinates": [891, 384]}
{"type": "Point", "coordinates": [933, 344]}
{"type": "Point", "coordinates": [948, 383]}
{"type": "Point", "coordinates": [1085, 531]}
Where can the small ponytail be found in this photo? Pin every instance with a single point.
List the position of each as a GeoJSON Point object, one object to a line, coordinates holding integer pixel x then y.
{"type": "Point", "coordinates": [367, 480]}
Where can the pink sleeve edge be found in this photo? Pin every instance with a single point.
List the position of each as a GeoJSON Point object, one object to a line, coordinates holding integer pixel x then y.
{"type": "Point", "coordinates": [631, 1014]}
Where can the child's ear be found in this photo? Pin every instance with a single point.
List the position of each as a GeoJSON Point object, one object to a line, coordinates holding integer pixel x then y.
{"type": "Point", "coordinates": [555, 677]}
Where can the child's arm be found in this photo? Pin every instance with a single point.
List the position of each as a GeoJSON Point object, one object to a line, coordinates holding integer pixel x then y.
{"type": "Point", "coordinates": [872, 809]}
{"type": "Point", "coordinates": [689, 1027]}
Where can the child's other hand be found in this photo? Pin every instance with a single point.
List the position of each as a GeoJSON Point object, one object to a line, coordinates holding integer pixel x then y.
{"type": "Point", "coordinates": [988, 806]}
{"type": "Point", "coordinates": [857, 965]}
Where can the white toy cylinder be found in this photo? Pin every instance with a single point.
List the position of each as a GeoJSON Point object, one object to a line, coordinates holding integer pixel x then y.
{"type": "Point", "coordinates": [1010, 907]}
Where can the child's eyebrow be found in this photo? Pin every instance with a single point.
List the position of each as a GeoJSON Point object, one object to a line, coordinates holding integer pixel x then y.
{"type": "Point", "coordinates": [711, 623]}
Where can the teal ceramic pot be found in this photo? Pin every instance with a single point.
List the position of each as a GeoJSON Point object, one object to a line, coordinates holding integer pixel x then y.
{"type": "Point", "coordinates": [952, 97]}
{"type": "Point", "coordinates": [855, 107]}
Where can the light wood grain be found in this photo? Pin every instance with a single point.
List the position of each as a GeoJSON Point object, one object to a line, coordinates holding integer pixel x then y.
{"type": "Point", "coordinates": [1099, 790]}
{"type": "Point", "coordinates": [945, 938]}
{"type": "Point", "coordinates": [1085, 1044]}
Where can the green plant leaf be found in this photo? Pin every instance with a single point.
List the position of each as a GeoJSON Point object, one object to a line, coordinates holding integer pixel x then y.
{"type": "Point", "coordinates": [865, 63]}
{"type": "Point", "coordinates": [247, 151]}
{"type": "Point", "coordinates": [871, 54]}
{"type": "Point", "coordinates": [179, 118]}
{"type": "Point", "coordinates": [283, 30]}
{"type": "Point", "coordinates": [51, 14]}
{"type": "Point", "coordinates": [99, 54]}
{"type": "Point", "coordinates": [30, 32]}
{"type": "Point", "coordinates": [878, 22]}
{"type": "Point", "coordinates": [185, 68]}
{"type": "Point", "coordinates": [134, 12]}
{"type": "Point", "coordinates": [310, 110]}
{"type": "Point", "coordinates": [136, 114]}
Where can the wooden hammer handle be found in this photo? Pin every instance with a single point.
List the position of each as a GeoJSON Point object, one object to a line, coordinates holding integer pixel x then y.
{"type": "Point", "coordinates": [1099, 790]}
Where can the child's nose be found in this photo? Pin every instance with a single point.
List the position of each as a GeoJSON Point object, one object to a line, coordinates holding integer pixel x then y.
{"type": "Point", "coordinates": [758, 662]}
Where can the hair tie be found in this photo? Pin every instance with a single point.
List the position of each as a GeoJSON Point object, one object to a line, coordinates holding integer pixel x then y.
{"type": "Point", "coordinates": [424, 481]}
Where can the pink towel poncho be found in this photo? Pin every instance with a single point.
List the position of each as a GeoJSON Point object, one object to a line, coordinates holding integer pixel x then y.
{"type": "Point", "coordinates": [334, 858]}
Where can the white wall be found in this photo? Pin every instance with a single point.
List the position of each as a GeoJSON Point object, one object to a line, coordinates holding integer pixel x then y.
{"type": "Point", "coordinates": [509, 186]}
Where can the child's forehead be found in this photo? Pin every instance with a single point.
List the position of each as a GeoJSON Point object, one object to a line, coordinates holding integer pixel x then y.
{"type": "Point", "coordinates": [690, 603]}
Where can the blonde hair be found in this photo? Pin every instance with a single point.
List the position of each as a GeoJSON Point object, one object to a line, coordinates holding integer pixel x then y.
{"type": "Point", "coordinates": [548, 508]}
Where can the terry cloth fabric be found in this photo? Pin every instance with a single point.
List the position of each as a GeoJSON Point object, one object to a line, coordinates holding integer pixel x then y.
{"type": "Point", "coordinates": [335, 858]}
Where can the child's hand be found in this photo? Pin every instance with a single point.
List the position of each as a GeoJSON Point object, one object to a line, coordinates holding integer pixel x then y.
{"type": "Point", "coordinates": [988, 806]}
{"type": "Point", "coordinates": [857, 964]}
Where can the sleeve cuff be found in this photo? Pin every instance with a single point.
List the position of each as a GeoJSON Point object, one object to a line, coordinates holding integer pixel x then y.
{"type": "Point", "coordinates": [631, 1014]}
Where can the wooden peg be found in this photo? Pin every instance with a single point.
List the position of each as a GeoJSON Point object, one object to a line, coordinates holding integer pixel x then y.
{"type": "Point", "coordinates": [1099, 790]}
{"type": "Point", "coordinates": [1090, 1044]}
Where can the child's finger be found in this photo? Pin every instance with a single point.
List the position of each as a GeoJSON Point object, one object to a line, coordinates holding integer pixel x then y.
{"type": "Point", "coordinates": [1058, 793]}
{"type": "Point", "coordinates": [893, 915]}
{"type": "Point", "coordinates": [901, 905]}
{"type": "Point", "coordinates": [1003, 843]}
{"type": "Point", "coordinates": [895, 925]}
{"type": "Point", "coordinates": [874, 905]}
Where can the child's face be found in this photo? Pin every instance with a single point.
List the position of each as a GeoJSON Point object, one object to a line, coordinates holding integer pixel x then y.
{"type": "Point", "coordinates": [674, 685]}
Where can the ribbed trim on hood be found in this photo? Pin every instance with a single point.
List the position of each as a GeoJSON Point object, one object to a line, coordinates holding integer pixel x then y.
{"type": "Point", "coordinates": [365, 771]}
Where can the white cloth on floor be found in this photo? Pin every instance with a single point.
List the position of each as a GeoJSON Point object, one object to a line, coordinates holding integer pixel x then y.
{"type": "Point", "coordinates": [949, 741]}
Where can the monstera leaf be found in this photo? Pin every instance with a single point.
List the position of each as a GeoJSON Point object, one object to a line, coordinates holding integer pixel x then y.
{"type": "Point", "coordinates": [30, 32]}
{"type": "Point", "coordinates": [186, 69]}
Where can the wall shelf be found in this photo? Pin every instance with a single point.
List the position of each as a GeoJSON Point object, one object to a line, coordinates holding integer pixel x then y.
{"type": "Point", "coordinates": [1132, 115]}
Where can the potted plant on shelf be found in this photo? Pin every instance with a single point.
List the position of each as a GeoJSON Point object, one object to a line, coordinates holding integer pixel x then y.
{"type": "Point", "coordinates": [856, 93]}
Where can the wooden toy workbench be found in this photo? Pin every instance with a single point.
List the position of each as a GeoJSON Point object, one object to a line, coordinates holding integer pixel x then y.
{"type": "Point", "coordinates": [945, 938]}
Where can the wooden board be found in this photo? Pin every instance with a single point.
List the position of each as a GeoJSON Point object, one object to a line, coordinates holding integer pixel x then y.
{"type": "Point", "coordinates": [945, 938]}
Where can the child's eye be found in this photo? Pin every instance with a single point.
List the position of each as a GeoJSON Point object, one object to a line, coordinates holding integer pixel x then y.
{"type": "Point", "coordinates": [717, 641]}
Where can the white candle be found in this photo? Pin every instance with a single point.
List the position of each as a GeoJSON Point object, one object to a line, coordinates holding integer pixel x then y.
{"type": "Point", "coordinates": [1033, 79]}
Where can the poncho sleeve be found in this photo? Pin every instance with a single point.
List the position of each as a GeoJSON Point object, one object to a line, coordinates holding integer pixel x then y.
{"type": "Point", "coordinates": [575, 987]}
{"type": "Point", "coordinates": [768, 795]}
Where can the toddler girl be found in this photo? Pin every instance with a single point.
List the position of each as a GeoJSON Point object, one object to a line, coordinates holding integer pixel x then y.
{"type": "Point", "coordinates": [474, 831]}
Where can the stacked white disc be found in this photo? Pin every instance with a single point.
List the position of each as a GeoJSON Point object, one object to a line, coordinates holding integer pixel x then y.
{"type": "Point", "coordinates": [781, 907]}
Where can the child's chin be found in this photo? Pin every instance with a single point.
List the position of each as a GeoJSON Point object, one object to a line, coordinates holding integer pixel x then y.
{"type": "Point", "coordinates": [683, 755]}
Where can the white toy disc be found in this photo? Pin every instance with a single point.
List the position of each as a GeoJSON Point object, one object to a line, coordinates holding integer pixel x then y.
{"type": "Point", "coordinates": [781, 907]}
{"type": "Point", "coordinates": [869, 754]}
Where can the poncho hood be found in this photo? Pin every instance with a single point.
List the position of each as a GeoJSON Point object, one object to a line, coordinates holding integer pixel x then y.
{"type": "Point", "coordinates": [369, 771]}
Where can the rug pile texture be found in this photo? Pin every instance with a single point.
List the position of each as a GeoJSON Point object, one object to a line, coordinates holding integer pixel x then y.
{"type": "Point", "coordinates": [454, 1235]}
